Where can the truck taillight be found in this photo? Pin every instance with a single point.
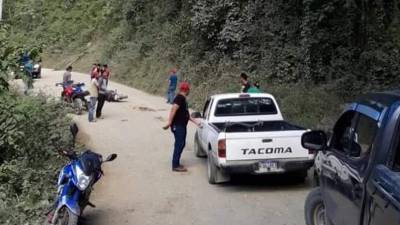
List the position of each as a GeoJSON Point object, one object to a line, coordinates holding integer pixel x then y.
{"type": "Point", "coordinates": [222, 148]}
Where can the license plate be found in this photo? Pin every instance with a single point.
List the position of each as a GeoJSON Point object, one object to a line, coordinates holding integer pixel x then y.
{"type": "Point", "coordinates": [267, 166]}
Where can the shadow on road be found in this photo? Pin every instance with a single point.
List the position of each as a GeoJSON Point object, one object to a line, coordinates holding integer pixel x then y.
{"type": "Point", "coordinates": [92, 217]}
{"type": "Point", "coordinates": [278, 182]}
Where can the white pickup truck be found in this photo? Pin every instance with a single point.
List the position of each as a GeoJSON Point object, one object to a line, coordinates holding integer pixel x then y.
{"type": "Point", "coordinates": [246, 133]}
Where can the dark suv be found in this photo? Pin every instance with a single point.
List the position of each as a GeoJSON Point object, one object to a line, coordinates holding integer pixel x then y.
{"type": "Point", "coordinates": [358, 169]}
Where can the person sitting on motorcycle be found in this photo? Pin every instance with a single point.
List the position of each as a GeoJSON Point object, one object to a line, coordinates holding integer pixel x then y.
{"type": "Point", "coordinates": [67, 77]}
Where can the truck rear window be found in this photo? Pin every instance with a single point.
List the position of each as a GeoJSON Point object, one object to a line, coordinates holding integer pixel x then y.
{"type": "Point", "coordinates": [245, 107]}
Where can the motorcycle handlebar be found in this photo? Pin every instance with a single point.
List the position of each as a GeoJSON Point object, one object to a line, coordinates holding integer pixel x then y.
{"type": "Point", "coordinates": [70, 83]}
{"type": "Point", "coordinates": [71, 154]}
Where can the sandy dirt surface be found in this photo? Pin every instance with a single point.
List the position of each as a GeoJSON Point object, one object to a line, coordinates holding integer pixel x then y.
{"type": "Point", "coordinates": [140, 188]}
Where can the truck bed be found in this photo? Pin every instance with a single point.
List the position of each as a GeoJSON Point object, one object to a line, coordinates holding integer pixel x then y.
{"type": "Point", "coordinates": [258, 126]}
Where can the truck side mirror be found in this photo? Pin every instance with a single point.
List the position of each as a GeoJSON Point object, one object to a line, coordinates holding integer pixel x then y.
{"type": "Point", "coordinates": [196, 115]}
{"type": "Point", "coordinates": [111, 158]}
{"type": "Point", "coordinates": [314, 140]}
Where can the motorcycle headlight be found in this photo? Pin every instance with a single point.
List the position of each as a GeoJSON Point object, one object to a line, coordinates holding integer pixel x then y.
{"type": "Point", "coordinates": [83, 179]}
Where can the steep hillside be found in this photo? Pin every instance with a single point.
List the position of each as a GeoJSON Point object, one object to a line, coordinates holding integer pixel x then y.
{"type": "Point", "coordinates": [311, 54]}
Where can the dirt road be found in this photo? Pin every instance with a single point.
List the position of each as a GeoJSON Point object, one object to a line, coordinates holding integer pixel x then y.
{"type": "Point", "coordinates": [139, 187]}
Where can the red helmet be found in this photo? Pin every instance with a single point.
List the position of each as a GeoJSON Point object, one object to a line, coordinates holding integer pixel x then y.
{"type": "Point", "coordinates": [184, 86]}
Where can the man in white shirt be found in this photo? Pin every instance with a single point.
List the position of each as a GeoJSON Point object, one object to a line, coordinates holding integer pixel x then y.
{"type": "Point", "coordinates": [67, 76]}
{"type": "Point", "coordinates": [94, 94]}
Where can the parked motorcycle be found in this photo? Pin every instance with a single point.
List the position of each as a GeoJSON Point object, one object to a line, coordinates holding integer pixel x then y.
{"type": "Point", "coordinates": [75, 184]}
{"type": "Point", "coordinates": [75, 94]}
{"type": "Point", "coordinates": [37, 70]}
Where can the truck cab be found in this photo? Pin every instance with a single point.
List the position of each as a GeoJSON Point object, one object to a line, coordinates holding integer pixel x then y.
{"type": "Point", "coordinates": [358, 168]}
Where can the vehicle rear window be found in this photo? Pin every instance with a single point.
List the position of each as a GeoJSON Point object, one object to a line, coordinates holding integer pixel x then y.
{"type": "Point", "coordinates": [245, 107]}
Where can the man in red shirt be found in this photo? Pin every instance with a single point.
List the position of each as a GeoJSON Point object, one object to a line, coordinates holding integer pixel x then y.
{"type": "Point", "coordinates": [178, 120]}
{"type": "Point", "coordinates": [95, 71]}
{"type": "Point", "coordinates": [92, 69]}
{"type": "Point", "coordinates": [106, 73]}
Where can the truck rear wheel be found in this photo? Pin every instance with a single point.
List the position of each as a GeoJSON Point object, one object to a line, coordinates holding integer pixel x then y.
{"type": "Point", "coordinates": [315, 208]}
{"type": "Point", "coordinates": [198, 150]}
{"type": "Point", "coordinates": [215, 175]}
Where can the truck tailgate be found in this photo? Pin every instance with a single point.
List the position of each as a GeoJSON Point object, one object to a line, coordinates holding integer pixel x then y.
{"type": "Point", "coordinates": [265, 145]}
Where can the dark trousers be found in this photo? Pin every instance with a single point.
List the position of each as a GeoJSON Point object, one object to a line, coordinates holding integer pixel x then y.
{"type": "Point", "coordinates": [100, 103]}
{"type": "Point", "coordinates": [180, 142]}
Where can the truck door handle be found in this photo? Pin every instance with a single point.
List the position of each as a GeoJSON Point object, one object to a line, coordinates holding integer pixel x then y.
{"type": "Point", "coordinates": [268, 140]}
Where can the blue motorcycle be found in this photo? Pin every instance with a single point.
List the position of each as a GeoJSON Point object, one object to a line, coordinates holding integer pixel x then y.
{"type": "Point", "coordinates": [75, 184]}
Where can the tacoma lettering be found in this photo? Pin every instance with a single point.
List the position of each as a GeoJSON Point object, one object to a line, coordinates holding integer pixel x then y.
{"type": "Point", "coordinates": [264, 151]}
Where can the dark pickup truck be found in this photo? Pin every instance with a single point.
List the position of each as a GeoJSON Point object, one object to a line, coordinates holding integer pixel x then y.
{"type": "Point", "coordinates": [358, 169]}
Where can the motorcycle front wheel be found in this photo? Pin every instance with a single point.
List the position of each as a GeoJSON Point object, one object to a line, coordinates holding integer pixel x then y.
{"type": "Point", "coordinates": [66, 217]}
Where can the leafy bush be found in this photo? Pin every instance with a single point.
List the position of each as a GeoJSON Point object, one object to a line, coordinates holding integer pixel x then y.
{"type": "Point", "coordinates": [31, 130]}
{"type": "Point", "coordinates": [308, 105]}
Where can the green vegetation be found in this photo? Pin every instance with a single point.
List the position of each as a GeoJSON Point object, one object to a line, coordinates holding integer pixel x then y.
{"type": "Point", "coordinates": [28, 156]}
{"type": "Point", "coordinates": [323, 51]}
{"type": "Point", "coordinates": [314, 55]}
{"type": "Point", "coordinates": [28, 146]}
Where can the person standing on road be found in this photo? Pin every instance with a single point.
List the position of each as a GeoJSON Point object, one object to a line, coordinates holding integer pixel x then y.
{"type": "Point", "coordinates": [102, 81]}
{"type": "Point", "coordinates": [95, 71]}
{"type": "Point", "coordinates": [106, 73]}
{"type": "Point", "coordinates": [67, 77]}
{"type": "Point", "coordinates": [172, 83]}
{"type": "Point", "coordinates": [94, 93]}
{"type": "Point", "coordinates": [92, 70]}
{"type": "Point", "coordinates": [178, 120]}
